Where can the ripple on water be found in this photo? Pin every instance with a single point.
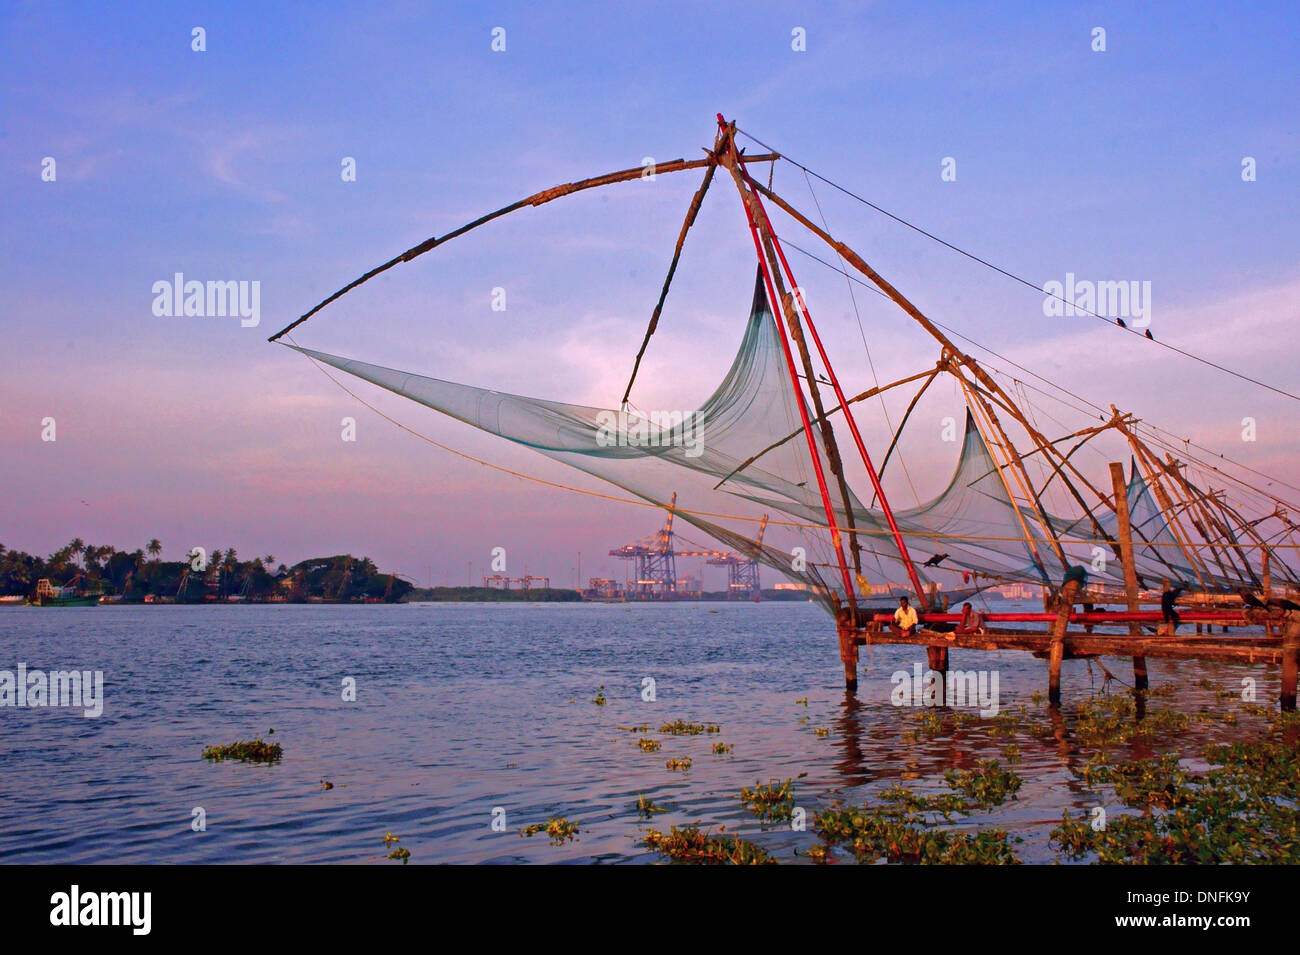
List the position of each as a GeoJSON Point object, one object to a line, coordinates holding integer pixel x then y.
{"type": "Point", "coordinates": [463, 709]}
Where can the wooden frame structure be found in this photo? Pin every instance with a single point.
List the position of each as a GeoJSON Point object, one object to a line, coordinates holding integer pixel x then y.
{"type": "Point", "coordinates": [1209, 536]}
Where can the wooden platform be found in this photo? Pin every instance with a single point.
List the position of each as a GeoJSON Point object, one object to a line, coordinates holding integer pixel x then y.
{"type": "Point", "coordinates": [1059, 642]}
{"type": "Point", "coordinates": [1243, 648]}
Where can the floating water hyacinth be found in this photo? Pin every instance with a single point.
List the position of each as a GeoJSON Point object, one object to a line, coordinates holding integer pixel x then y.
{"type": "Point", "coordinates": [649, 745]}
{"type": "Point", "coordinates": [557, 827]}
{"type": "Point", "coordinates": [772, 801]}
{"type": "Point", "coordinates": [691, 845]}
{"type": "Point", "coordinates": [683, 763]}
{"type": "Point", "coordinates": [684, 728]}
{"type": "Point", "coordinates": [989, 785]}
{"type": "Point", "coordinates": [645, 808]}
{"type": "Point", "coordinates": [246, 751]}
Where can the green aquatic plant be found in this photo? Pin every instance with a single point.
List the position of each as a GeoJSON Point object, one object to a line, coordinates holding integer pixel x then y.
{"type": "Point", "coordinates": [875, 834]}
{"type": "Point", "coordinates": [600, 699]}
{"type": "Point", "coordinates": [684, 728]}
{"type": "Point", "coordinates": [985, 787]}
{"type": "Point", "coordinates": [721, 748]}
{"type": "Point", "coordinates": [682, 763]}
{"type": "Point", "coordinates": [1243, 810]}
{"type": "Point", "coordinates": [904, 803]}
{"type": "Point", "coordinates": [772, 801]}
{"type": "Point", "coordinates": [557, 827]}
{"type": "Point", "coordinates": [645, 808]}
{"type": "Point", "coordinates": [391, 840]}
{"type": "Point", "coordinates": [691, 845]}
{"type": "Point", "coordinates": [246, 751]}
{"type": "Point", "coordinates": [821, 732]}
{"type": "Point", "coordinates": [649, 745]}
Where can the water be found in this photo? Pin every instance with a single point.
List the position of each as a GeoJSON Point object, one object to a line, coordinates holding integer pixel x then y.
{"type": "Point", "coordinates": [461, 709]}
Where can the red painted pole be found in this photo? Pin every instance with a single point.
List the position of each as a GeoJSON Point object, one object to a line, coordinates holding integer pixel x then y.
{"type": "Point", "coordinates": [794, 381]}
{"type": "Point", "coordinates": [839, 396]}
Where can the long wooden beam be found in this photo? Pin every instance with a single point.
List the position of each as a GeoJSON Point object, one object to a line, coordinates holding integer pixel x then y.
{"type": "Point", "coordinates": [536, 199]}
{"type": "Point", "coordinates": [869, 393]}
{"type": "Point", "coordinates": [691, 212]}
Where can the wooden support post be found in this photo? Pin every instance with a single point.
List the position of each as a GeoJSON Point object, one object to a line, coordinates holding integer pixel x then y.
{"type": "Point", "coordinates": [1055, 655]}
{"type": "Point", "coordinates": [1290, 652]}
{"type": "Point", "coordinates": [846, 626]}
{"type": "Point", "coordinates": [1056, 648]}
{"type": "Point", "coordinates": [1268, 588]}
{"type": "Point", "coordinates": [1120, 486]}
{"type": "Point", "coordinates": [937, 658]}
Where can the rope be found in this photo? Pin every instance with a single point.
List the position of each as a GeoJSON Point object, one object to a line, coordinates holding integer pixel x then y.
{"type": "Point", "coordinates": [1024, 281]}
{"type": "Point", "coordinates": [1187, 442]}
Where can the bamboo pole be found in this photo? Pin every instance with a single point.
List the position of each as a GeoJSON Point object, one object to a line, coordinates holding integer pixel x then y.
{"type": "Point", "coordinates": [692, 211]}
{"type": "Point", "coordinates": [1024, 528]}
{"type": "Point", "coordinates": [834, 381]}
{"type": "Point", "coordinates": [1130, 569]}
{"type": "Point", "coordinates": [536, 199]}
{"type": "Point", "coordinates": [898, 432]}
{"type": "Point", "coordinates": [1290, 659]}
{"type": "Point", "coordinates": [1144, 459]}
{"type": "Point", "coordinates": [869, 393]}
{"type": "Point", "coordinates": [729, 162]}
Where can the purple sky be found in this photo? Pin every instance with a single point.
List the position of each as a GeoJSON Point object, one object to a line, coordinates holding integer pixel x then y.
{"type": "Point", "coordinates": [225, 164]}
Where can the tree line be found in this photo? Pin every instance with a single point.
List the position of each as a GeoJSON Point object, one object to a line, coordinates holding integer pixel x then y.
{"type": "Point", "coordinates": [219, 574]}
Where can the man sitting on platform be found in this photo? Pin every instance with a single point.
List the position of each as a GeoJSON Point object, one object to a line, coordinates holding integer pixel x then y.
{"type": "Point", "coordinates": [905, 619]}
{"type": "Point", "coordinates": [972, 622]}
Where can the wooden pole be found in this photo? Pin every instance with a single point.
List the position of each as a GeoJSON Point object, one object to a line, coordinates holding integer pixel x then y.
{"type": "Point", "coordinates": [937, 658]}
{"type": "Point", "coordinates": [692, 211]}
{"type": "Point", "coordinates": [847, 629]}
{"type": "Point", "coordinates": [537, 199]}
{"type": "Point", "coordinates": [1130, 569]}
{"type": "Point", "coordinates": [740, 171]}
{"type": "Point", "coordinates": [1290, 651]}
{"type": "Point", "coordinates": [1056, 653]}
{"type": "Point", "coordinates": [729, 162]}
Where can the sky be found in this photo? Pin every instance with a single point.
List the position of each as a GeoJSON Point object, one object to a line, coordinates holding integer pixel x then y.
{"type": "Point", "coordinates": [227, 163]}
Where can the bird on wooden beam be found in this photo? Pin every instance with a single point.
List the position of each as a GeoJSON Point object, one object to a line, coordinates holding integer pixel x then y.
{"type": "Point", "coordinates": [1250, 600]}
{"type": "Point", "coordinates": [935, 561]}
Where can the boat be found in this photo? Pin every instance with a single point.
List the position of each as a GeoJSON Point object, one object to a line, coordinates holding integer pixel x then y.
{"type": "Point", "coordinates": [783, 439]}
{"type": "Point", "coordinates": [47, 595]}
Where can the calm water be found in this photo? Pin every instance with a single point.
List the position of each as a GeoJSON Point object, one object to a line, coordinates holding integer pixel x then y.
{"type": "Point", "coordinates": [463, 708]}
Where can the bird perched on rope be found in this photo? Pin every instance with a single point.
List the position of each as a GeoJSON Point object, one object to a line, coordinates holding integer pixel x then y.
{"type": "Point", "coordinates": [1149, 335]}
{"type": "Point", "coordinates": [1120, 323]}
{"type": "Point", "coordinates": [935, 561]}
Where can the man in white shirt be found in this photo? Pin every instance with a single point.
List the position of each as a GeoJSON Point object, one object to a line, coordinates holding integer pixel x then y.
{"type": "Point", "coordinates": [905, 619]}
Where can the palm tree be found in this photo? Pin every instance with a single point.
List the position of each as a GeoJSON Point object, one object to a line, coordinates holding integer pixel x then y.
{"type": "Point", "coordinates": [154, 547]}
